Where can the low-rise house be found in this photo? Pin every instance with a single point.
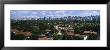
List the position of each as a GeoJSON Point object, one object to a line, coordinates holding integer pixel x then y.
{"type": "Point", "coordinates": [43, 37]}
{"type": "Point", "coordinates": [89, 32]}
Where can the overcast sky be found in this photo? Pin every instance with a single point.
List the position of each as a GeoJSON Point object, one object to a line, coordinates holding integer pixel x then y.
{"type": "Point", "coordinates": [51, 13]}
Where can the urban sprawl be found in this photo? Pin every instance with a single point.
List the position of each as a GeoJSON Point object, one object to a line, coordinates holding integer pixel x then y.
{"type": "Point", "coordinates": [54, 28]}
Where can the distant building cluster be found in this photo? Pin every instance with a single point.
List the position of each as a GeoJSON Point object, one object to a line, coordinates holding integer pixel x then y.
{"type": "Point", "coordinates": [66, 18]}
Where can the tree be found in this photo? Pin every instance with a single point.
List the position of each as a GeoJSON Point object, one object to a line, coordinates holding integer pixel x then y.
{"type": "Point", "coordinates": [79, 30]}
{"type": "Point", "coordinates": [19, 37]}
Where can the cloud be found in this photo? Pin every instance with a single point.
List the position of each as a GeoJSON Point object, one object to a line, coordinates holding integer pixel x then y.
{"type": "Point", "coordinates": [89, 13]}
{"type": "Point", "coordinates": [61, 11]}
{"type": "Point", "coordinates": [50, 15]}
{"type": "Point", "coordinates": [95, 12]}
{"type": "Point", "coordinates": [34, 12]}
{"type": "Point", "coordinates": [43, 13]}
{"type": "Point", "coordinates": [85, 13]}
{"type": "Point", "coordinates": [70, 12]}
{"type": "Point", "coordinates": [49, 12]}
{"type": "Point", "coordinates": [23, 11]}
{"type": "Point", "coordinates": [13, 12]}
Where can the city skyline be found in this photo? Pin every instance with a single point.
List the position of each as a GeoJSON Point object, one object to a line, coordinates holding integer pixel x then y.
{"type": "Point", "coordinates": [19, 14]}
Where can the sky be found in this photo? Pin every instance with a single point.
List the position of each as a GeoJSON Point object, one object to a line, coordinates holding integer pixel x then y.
{"type": "Point", "coordinates": [18, 14]}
